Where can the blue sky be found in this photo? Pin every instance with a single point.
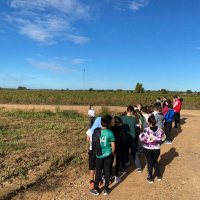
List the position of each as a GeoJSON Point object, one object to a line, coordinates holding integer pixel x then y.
{"type": "Point", "coordinates": [46, 44]}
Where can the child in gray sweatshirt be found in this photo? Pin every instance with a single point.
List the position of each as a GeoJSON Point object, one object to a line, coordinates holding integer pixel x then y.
{"type": "Point", "coordinates": [159, 117]}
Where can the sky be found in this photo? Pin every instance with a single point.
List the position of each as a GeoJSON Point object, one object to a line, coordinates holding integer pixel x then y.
{"type": "Point", "coordinates": [46, 44]}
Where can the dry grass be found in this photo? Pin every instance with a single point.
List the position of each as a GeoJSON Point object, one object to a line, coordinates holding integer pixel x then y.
{"type": "Point", "coordinates": [31, 140]}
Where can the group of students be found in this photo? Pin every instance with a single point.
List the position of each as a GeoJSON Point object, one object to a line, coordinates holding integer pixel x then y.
{"type": "Point", "coordinates": [139, 129]}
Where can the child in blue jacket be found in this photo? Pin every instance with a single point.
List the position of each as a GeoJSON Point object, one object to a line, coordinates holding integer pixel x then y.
{"type": "Point", "coordinates": [168, 123]}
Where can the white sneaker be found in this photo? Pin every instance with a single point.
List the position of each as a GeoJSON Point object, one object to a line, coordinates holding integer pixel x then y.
{"type": "Point", "coordinates": [117, 180]}
{"type": "Point", "coordinates": [128, 163]}
{"type": "Point", "coordinates": [105, 180]}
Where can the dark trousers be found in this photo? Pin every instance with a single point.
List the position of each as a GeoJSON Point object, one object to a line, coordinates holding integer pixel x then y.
{"type": "Point", "coordinates": [179, 118]}
{"type": "Point", "coordinates": [130, 144]}
{"type": "Point", "coordinates": [103, 163]}
{"type": "Point", "coordinates": [91, 121]}
{"type": "Point", "coordinates": [176, 117]}
{"type": "Point", "coordinates": [168, 129]}
{"type": "Point", "coordinates": [118, 154]}
{"type": "Point", "coordinates": [137, 133]}
{"type": "Point", "coordinates": [152, 161]}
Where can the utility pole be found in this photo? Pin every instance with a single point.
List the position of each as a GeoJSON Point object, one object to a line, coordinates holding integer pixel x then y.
{"type": "Point", "coordinates": [83, 79]}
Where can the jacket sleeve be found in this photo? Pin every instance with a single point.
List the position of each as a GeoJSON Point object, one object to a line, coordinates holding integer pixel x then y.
{"type": "Point", "coordinates": [163, 136]}
{"type": "Point", "coordinates": [143, 136]}
{"type": "Point", "coordinates": [175, 104]}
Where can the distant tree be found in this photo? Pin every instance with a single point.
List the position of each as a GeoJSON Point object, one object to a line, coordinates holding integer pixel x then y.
{"type": "Point", "coordinates": [139, 88]}
{"type": "Point", "coordinates": [198, 93]}
{"type": "Point", "coordinates": [67, 89]}
{"type": "Point", "coordinates": [119, 90]}
{"type": "Point", "coordinates": [189, 91]}
{"type": "Point", "coordinates": [148, 91]}
{"type": "Point", "coordinates": [164, 91]}
{"type": "Point", "coordinates": [91, 90]}
{"type": "Point", "coordinates": [21, 88]}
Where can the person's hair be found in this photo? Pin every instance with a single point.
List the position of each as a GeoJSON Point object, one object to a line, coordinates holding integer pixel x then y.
{"type": "Point", "coordinates": [170, 106]}
{"type": "Point", "coordinates": [139, 114]}
{"type": "Point", "coordinates": [123, 114]}
{"type": "Point", "coordinates": [90, 107]}
{"type": "Point", "coordinates": [175, 97]}
{"type": "Point", "coordinates": [144, 109]}
{"type": "Point", "coordinates": [155, 107]}
{"type": "Point", "coordinates": [109, 118]}
{"type": "Point", "coordinates": [152, 120]}
{"type": "Point", "coordinates": [150, 110]}
{"type": "Point", "coordinates": [159, 109]}
{"type": "Point", "coordinates": [157, 104]}
{"type": "Point", "coordinates": [117, 120]}
{"type": "Point", "coordinates": [130, 108]}
{"type": "Point", "coordinates": [136, 116]}
{"type": "Point", "coordinates": [164, 97]}
{"type": "Point", "coordinates": [105, 122]}
{"type": "Point", "coordinates": [169, 101]}
{"type": "Point", "coordinates": [158, 98]}
{"type": "Point", "coordinates": [140, 104]}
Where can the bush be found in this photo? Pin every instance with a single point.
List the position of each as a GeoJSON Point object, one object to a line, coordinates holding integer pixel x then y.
{"type": "Point", "coordinates": [104, 111]}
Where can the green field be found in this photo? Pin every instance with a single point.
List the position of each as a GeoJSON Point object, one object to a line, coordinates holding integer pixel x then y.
{"type": "Point", "coordinates": [87, 98]}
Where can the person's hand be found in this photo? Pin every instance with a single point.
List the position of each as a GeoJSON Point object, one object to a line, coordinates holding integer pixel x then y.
{"type": "Point", "coordinates": [113, 153]}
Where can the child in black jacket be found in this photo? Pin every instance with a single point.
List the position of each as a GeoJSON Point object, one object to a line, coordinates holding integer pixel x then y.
{"type": "Point", "coordinates": [120, 140]}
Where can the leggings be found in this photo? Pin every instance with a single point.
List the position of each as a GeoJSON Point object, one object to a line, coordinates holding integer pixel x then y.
{"type": "Point", "coordinates": [152, 161]}
{"type": "Point", "coordinates": [168, 128]}
{"type": "Point", "coordinates": [118, 154]}
{"type": "Point", "coordinates": [176, 118]}
{"type": "Point", "coordinates": [103, 163]}
{"type": "Point", "coordinates": [91, 121]}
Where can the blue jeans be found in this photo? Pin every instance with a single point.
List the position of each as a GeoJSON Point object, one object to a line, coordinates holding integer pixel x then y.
{"type": "Point", "coordinates": [130, 144]}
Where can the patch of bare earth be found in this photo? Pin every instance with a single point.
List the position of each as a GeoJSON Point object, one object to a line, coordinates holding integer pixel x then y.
{"type": "Point", "coordinates": [179, 164]}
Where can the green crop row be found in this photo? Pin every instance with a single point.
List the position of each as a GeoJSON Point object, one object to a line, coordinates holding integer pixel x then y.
{"type": "Point", "coordinates": [87, 98]}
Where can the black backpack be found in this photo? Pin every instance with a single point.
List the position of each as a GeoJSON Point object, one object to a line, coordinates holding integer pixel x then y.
{"type": "Point", "coordinates": [96, 144]}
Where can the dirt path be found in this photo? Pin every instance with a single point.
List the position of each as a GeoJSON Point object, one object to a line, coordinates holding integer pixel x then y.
{"type": "Point", "coordinates": [179, 164]}
{"type": "Point", "coordinates": [80, 109]}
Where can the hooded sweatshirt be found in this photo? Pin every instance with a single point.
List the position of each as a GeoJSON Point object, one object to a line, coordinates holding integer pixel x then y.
{"type": "Point", "coordinates": [97, 124]}
{"type": "Point", "coordinates": [160, 119]}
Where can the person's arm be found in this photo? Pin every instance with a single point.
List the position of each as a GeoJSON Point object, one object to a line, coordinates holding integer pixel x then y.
{"type": "Point", "coordinates": [143, 136]}
{"type": "Point", "coordinates": [88, 138]}
{"type": "Point", "coordinates": [113, 148]}
{"type": "Point", "coordinates": [175, 104]}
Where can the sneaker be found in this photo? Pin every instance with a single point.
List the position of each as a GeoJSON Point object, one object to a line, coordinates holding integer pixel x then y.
{"type": "Point", "coordinates": [94, 192]}
{"type": "Point", "coordinates": [149, 180]}
{"type": "Point", "coordinates": [168, 142]}
{"type": "Point", "coordinates": [140, 170]}
{"type": "Point", "coordinates": [117, 180]}
{"type": "Point", "coordinates": [174, 127]}
{"type": "Point", "coordinates": [127, 164]}
{"type": "Point", "coordinates": [104, 181]}
{"type": "Point", "coordinates": [106, 192]}
{"type": "Point", "coordinates": [159, 178]}
{"type": "Point", "coordinates": [92, 183]}
{"type": "Point", "coordinates": [123, 171]}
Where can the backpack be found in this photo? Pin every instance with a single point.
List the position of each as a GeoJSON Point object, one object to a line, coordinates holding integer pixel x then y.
{"type": "Point", "coordinates": [96, 145]}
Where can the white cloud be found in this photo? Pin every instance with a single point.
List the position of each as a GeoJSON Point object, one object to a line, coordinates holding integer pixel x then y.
{"type": "Point", "coordinates": [137, 4]}
{"type": "Point", "coordinates": [46, 20]}
{"type": "Point", "coordinates": [39, 55]}
{"type": "Point", "coordinates": [78, 39]}
{"type": "Point", "coordinates": [9, 77]}
{"type": "Point", "coordinates": [2, 31]}
{"type": "Point", "coordinates": [77, 61]}
{"type": "Point", "coordinates": [198, 48]}
{"type": "Point", "coordinates": [52, 66]}
{"type": "Point", "coordinates": [130, 4]}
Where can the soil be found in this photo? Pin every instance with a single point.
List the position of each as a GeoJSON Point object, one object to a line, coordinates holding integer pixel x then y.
{"type": "Point", "coordinates": [179, 165]}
